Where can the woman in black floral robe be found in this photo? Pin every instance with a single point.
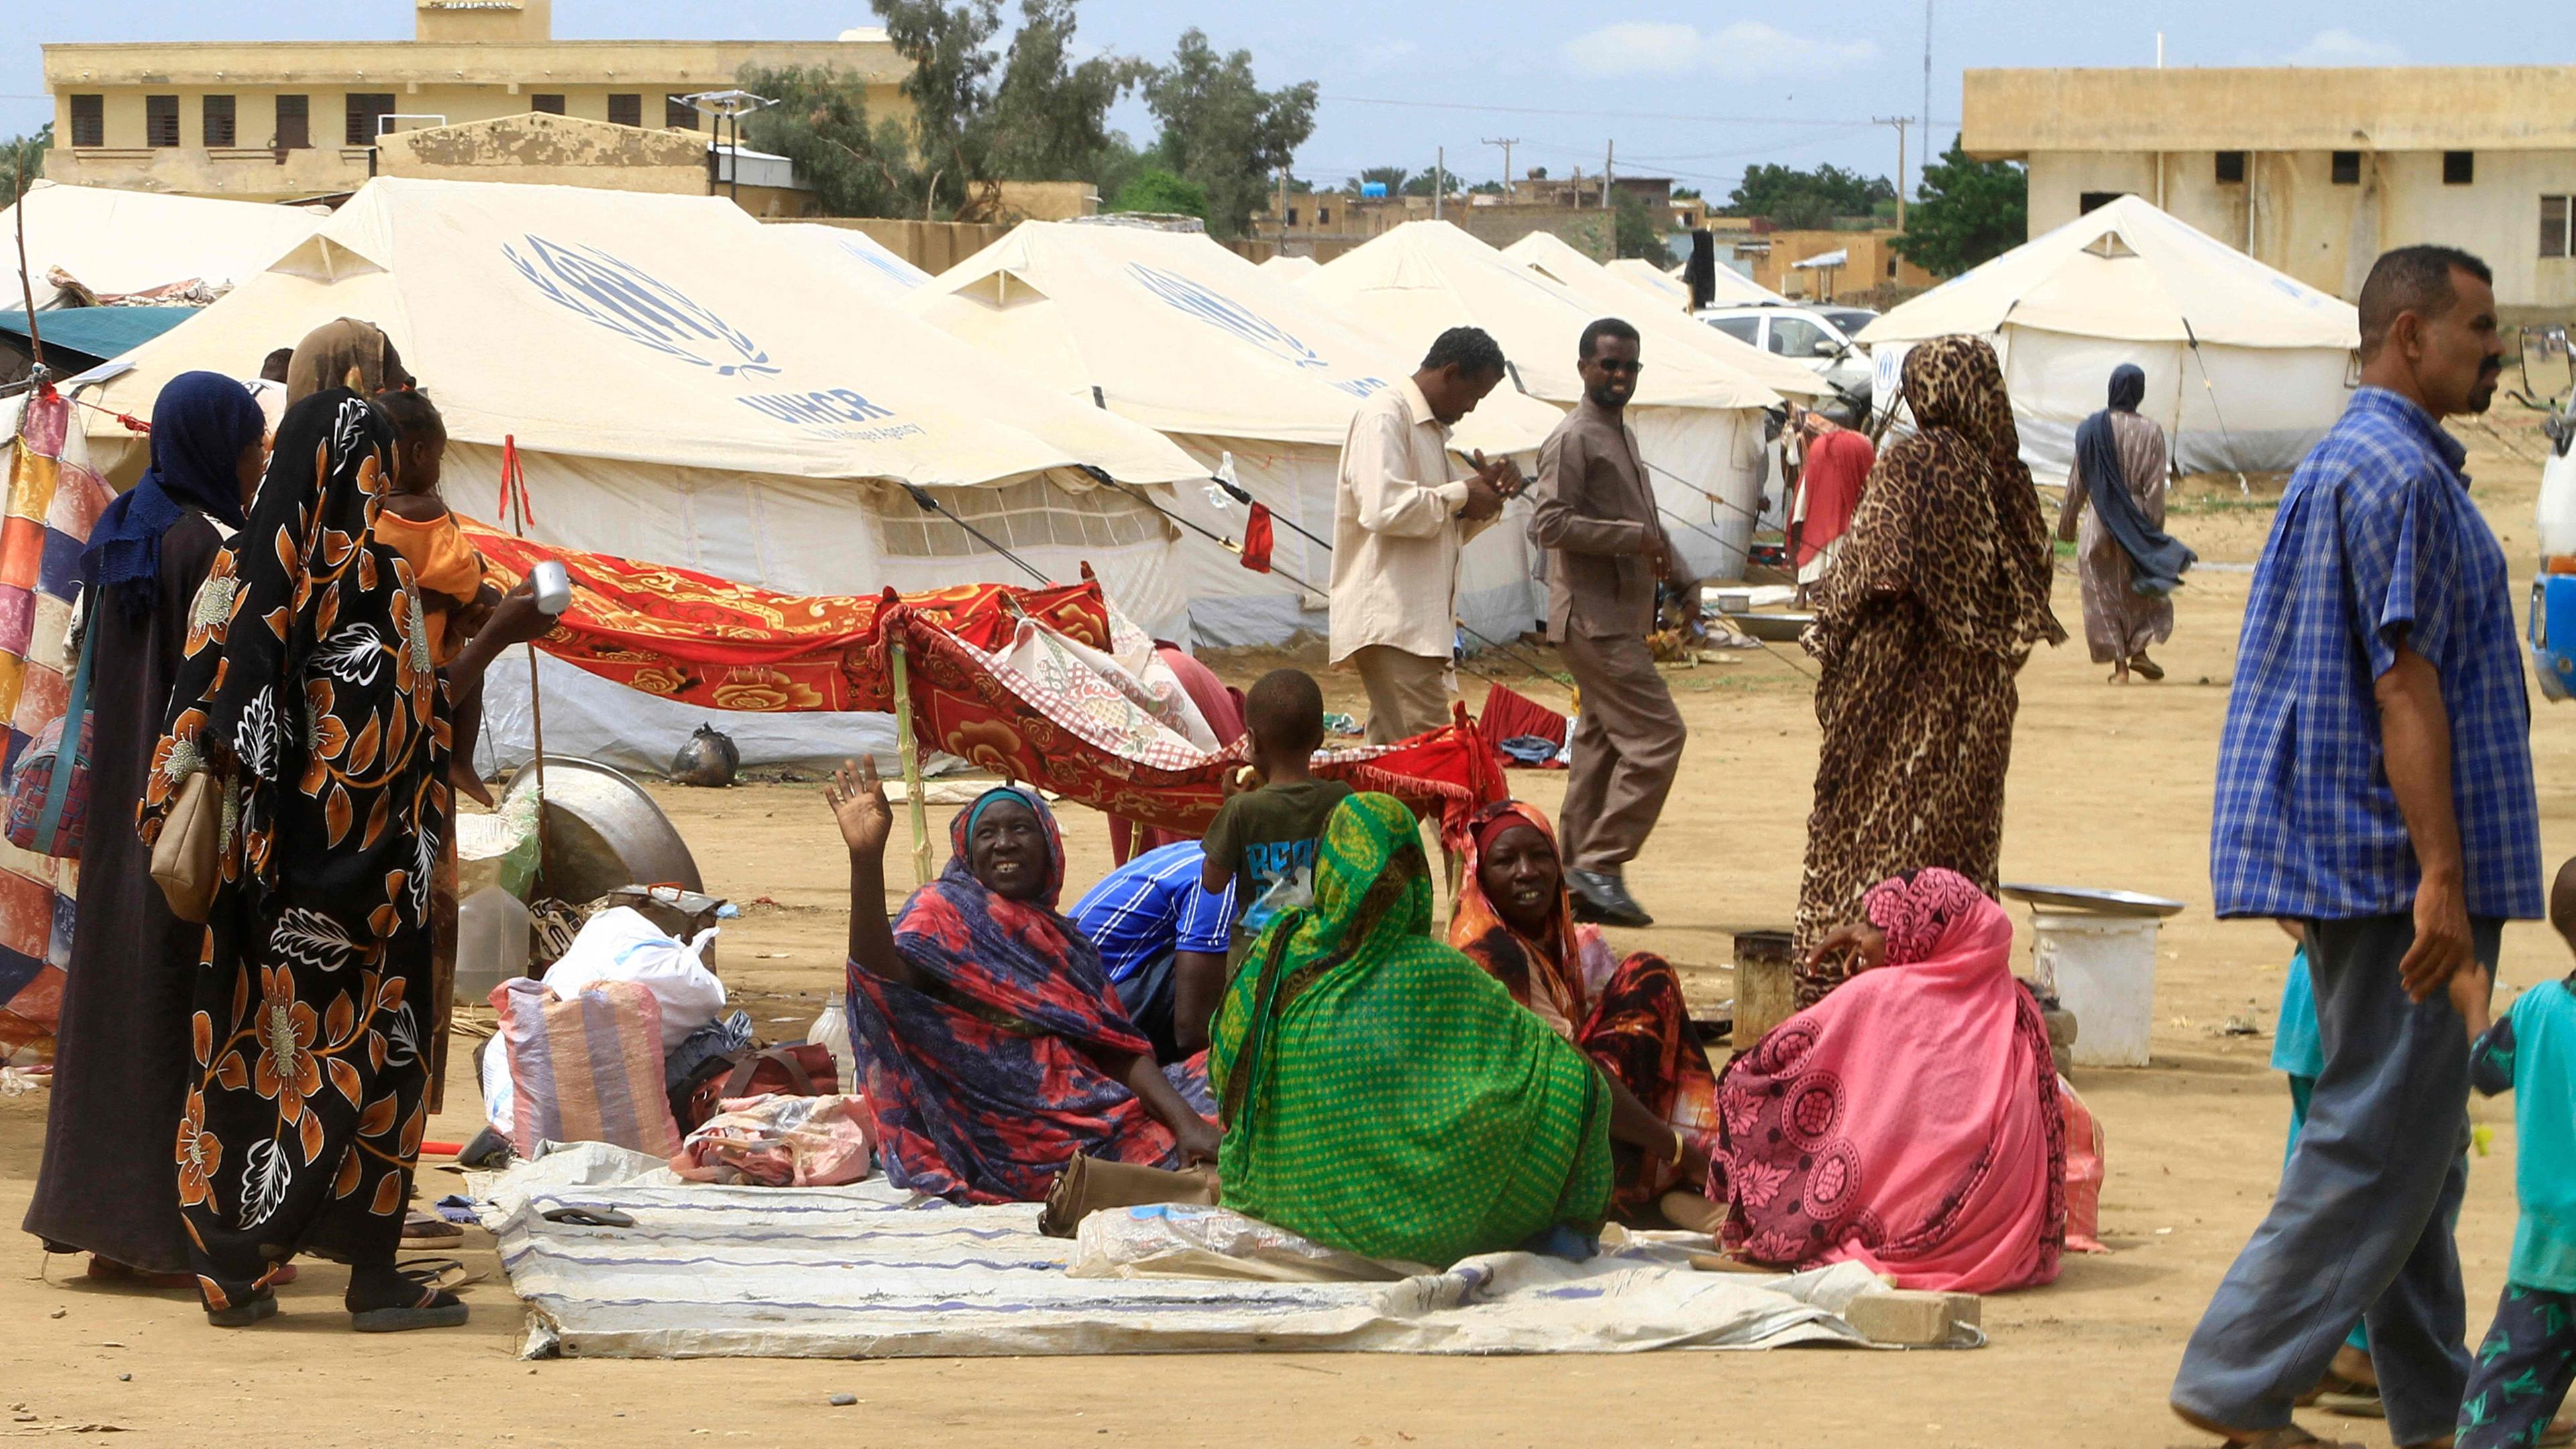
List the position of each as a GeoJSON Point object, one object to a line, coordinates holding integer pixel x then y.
{"type": "Point", "coordinates": [308, 689]}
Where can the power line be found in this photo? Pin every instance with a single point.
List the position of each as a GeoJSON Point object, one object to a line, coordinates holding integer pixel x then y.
{"type": "Point", "coordinates": [1773, 120]}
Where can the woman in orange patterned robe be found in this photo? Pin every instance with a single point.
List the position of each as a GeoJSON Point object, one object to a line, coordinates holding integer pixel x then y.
{"type": "Point", "coordinates": [1515, 920]}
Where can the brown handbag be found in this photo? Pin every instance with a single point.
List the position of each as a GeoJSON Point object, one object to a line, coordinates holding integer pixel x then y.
{"type": "Point", "coordinates": [187, 861]}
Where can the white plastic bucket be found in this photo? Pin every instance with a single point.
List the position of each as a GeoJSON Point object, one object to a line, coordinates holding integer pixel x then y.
{"type": "Point", "coordinates": [2103, 969]}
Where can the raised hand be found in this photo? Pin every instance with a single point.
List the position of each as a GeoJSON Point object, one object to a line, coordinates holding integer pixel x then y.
{"type": "Point", "coordinates": [858, 802]}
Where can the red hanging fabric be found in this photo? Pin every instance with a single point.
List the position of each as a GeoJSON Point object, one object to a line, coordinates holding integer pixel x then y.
{"type": "Point", "coordinates": [1256, 540]}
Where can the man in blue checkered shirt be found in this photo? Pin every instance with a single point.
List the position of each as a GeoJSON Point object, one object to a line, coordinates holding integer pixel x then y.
{"type": "Point", "coordinates": [2375, 784]}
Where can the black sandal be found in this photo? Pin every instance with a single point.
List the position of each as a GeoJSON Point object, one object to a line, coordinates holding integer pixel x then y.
{"type": "Point", "coordinates": [258, 1306]}
{"type": "Point", "coordinates": [436, 1309]}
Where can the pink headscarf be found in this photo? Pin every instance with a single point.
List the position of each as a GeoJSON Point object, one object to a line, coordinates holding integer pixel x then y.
{"type": "Point", "coordinates": [1910, 1121]}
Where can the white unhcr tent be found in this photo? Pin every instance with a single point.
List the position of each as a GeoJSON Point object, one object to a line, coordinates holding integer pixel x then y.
{"type": "Point", "coordinates": [852, 255]}
{"type": "Point", "coordinates": [2246, 367]}
{"type": "Point", "coordinates": [1551, 257]}
{"type": "Point", "coordinates": [120, 242]}
{"type": "Point", "coordinates": [685, 391]}
{"type": "Point", "coordinates": [1226, 359]}
{"type": "Point", "coordinates": [1698, 417]}
{"type": "Point", "coordinates": [1646, 277]}
{"type": "Point", "coordinates": [1291, 268]}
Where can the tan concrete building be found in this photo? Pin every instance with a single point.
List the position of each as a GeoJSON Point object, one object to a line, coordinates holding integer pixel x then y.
{"type": "Point", "coordinates": [1870, 262]}
{"type": "Point", "coordinates": [2312, 171]}
{"type": "Point", "coordinates": [271, 120]}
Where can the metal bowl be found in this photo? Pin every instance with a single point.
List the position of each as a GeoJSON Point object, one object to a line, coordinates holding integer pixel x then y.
{"type": "Point", "coordinates": [2099, 902]}
{"type": "Point", "coordinates": [1773, 628]}
{"type": "Point", "coordinates": [602, 831]}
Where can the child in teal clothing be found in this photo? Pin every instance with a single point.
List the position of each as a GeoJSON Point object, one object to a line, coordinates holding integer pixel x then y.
{"type": "Point", "coordinates": [2529, 1357]}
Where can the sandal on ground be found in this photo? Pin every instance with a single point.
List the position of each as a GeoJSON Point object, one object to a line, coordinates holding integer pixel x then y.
{"type": "Point", "coordinates": [446, 1274]}
{"type": "Point", "coordinates": [2335, 1385]}
{"type": "Point", "coordinates": [2147, 669]}
{"type": "Point", "coordinates": [108, 1270]}
{"type": "Point", "coordinates": [2288, 1436]}
{"type": "Point", "coordinates": [1691, 1212]}
{"type": "Point", "coordinates": [419, 1225]}
{"type": "Point", "coordinates": [436, 1308]}
{"type": "Point", "coordinates": [258, 1306]}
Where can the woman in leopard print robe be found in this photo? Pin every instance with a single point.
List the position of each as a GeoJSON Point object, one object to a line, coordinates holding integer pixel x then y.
{"type": "Point", "coordinates": [1941, 591]}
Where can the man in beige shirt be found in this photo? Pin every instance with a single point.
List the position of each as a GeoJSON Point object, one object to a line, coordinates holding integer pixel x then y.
{"type": "Point", "coordinates": [1596, 517]}
{"type": "Point", "coordinates": [1401, 514]}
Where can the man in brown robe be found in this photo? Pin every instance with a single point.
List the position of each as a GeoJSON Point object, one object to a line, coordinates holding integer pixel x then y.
{"type": "Point", "coordinates": [1596, 517]}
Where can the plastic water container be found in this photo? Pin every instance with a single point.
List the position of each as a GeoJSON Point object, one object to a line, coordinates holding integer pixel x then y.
{"type": "Point", "coordinates": [492, 931]}
{"type": "Point", "coordinates": [2102, 968]}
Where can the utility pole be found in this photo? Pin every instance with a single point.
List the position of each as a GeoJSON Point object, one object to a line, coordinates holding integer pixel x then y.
{"type": "Point", "coordinates": [1439, 178]}
{"type": "Point", "coordinates": [1900, 123]}
{"type": "Point", "coordinates": [1609, 163]}
{"type": "Point", "coordinates": [1507, 143]}
{"type": "Point", "coordinates": [1283, 210]}
{"type": "Point", "coordinates": [1927, 75]}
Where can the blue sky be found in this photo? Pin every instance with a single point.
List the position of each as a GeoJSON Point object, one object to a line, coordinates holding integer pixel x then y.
{"type": "Point", "coordinates": [1696, 91]}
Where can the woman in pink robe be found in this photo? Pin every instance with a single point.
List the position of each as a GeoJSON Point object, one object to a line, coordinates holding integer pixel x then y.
{"type": "Point", "coordinates": [1909, 1121]}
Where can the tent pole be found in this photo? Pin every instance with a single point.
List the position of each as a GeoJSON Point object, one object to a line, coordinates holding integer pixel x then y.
{"type": "Point", "coordinates": [514, 485]}
{"type": "Point", "coordinates": [909, 748]}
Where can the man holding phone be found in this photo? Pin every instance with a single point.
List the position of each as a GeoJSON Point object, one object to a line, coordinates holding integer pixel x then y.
{"type": "Point", "coordinates": [1596, 517]}
{"type": "Point", "coordinates": [1400, 520]}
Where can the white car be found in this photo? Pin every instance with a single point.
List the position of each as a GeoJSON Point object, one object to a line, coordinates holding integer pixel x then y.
{"type": "Point", "coordinates": [1819, 338]}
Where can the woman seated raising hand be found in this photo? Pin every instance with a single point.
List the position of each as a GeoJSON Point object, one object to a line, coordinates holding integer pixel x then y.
{"type": "Point", "coordinates": [994, 1049]}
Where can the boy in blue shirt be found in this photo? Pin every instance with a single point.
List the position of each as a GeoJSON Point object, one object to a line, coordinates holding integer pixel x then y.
{"type": "Point", "coordinates": [1264, 838]}
{"type": "Point", "coordinates": [2529, 1356]}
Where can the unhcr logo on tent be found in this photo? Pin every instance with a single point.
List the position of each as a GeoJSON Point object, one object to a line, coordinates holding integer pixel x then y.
{"type": "Point", "coordinates": [638, 306]}
{"type": "Point", "coordinates": [1218, 310]}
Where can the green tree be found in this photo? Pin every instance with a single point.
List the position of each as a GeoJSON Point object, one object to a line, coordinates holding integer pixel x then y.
{"type": "Point", "coordinates": [1635, 232]}
{"type": "Point", "coordinates": [1421, 184]}
{"type": "Point", "coordinates": [1221, 130]}
{"type": "Point", "coordinates": [1806, 200]}
{"type": "Point", "coordinates": [1966, 212]}
{"type": "Point", "coordinates": [1157, 190]}
{"type": "Point", "coordinates": [1395, 178]}
{"type": "Point", "coordinates": [22, 162]}
{"type": "Point", "coordinates": [1049, 117]}
{"type": "Point", "coordinates": [821, 125]}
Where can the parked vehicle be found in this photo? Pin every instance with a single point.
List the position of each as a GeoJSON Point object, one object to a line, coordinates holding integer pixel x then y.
{"type": "Point", "coordinates": [2551, 386]}
{"type": "Point", "coordinates": [1817, 337]}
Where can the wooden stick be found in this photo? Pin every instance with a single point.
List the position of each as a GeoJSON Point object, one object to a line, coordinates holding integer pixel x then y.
{"type": "Point", "coordinates": [27, 283]}
{"type": "Point", "coordinates": [515, 480]}
{"type": "Point", "coordinates": [909, 748]}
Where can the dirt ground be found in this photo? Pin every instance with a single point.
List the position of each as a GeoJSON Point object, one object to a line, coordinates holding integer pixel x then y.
{"type": "Point", "coordinates": [2109, 787]}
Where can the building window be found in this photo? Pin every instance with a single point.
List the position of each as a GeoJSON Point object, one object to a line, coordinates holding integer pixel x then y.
{"type": "Point", "coordinates": [2096, 200]}
{"type": "Point", "coordinates": [2459, 168]}
{"type": "Point", "coordinates": [1031, 514]}
{"type": "Point", "coordinates": [2231, 168]}
{"type": "Point", "coordinates": [1891, 269]}
{"type": "Point", "coordinates": [294, 123]}
{"type": "Point", "coordinates": [546, 105]}
{"type": "Point", "coordinates": [160, 120]}
{"type": "Point", "coordinates": [89, 120]}
{"type": "Point", "coordinates": [625, 110]}
{"type": "Point", "coordinates": [1292, 216]}
{"type": "Point", "coordinates": [2347, 168]}
{"type": "Point", "coordinates": [1323, 216]}
{"type": "Point", "coordinates": [217, 114]}
{"type": "Point", "coordinates": [2556, 222]}
{"type": "Point", "coordinates": [678, 114]}
{"type": "Point", "coordinates": [366, 113]}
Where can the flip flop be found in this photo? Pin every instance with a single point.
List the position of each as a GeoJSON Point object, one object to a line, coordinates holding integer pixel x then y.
{"type": "Point", "coordinates": [437, 1308]}
{"type": "Point", "coordinates": [258, 1306]}
{"type": "Point", "coordinates": [2147, 669]}
{"type": "Point", "coordinates": [445, 1274]}
{"type": "Point", "coordinates": [420, 1225]}
{"type": "Point", "coordinates": [2288, 1436]}
{"type": "Point", "coordinates": [606, 1217]}
{"type": "Point", "coordinates": [108, 1270]}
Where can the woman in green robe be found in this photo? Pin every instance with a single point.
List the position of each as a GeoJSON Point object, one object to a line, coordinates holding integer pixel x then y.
{"type": "Point", "coordinates": [1383, 1094]}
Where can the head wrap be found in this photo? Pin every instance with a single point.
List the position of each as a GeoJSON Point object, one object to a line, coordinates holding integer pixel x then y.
{"type": "Point", "coordinates": [961, 831]}
{"type": "Point", "coordinates": [201, 424]}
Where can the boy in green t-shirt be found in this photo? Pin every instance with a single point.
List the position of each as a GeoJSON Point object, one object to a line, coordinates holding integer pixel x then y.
{"type": "Point", "coordinates": [2529, 1356]}
{"type": "Point", "coordinates": [1264, 839]}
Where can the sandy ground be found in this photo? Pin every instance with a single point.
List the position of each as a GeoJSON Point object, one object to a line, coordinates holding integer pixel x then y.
{"type": "Point", "coordinates": [2109, 787]}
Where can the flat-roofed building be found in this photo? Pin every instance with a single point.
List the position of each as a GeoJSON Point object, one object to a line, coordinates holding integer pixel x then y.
{"type": "Point", "coordinates": [2313, 171]}
{"type": "Point", "coordinates": [267, 120]}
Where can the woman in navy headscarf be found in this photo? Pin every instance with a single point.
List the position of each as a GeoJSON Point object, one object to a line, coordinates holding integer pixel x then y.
{"type": "Point", "coordinates": [122, 1054]}
{"type": "Point", "coordinates": [2130, 566]}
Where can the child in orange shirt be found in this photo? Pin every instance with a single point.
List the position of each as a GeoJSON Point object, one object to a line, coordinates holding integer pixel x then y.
{"type": "Point", "coordinates": [445, 569]}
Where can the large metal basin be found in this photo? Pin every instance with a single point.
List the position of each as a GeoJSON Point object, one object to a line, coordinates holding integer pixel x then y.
{"type": "Point", "coordinates": [602, 831]}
